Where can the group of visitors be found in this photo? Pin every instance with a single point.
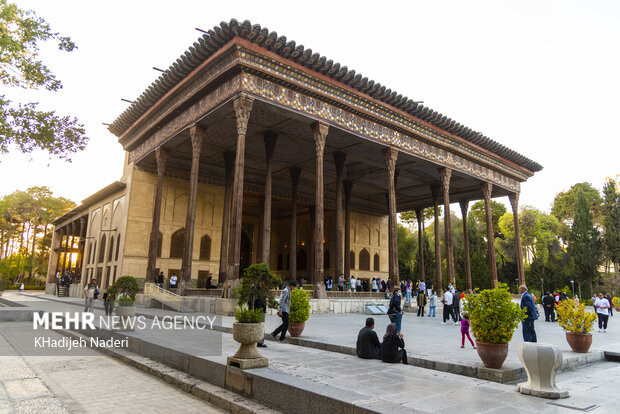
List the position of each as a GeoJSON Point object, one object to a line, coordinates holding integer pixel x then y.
{"type": "Point", "coordinates": [391, 350]}
{"type": "Point", "coordinates": [602, 306]}
{"type": "Point", "coordinates": [353, 284]}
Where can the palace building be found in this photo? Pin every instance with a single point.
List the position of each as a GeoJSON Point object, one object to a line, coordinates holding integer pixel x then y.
{"type": "Point", "coordinates": [251, 148]}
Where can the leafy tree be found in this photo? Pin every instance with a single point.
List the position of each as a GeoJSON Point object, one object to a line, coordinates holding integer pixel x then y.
{"type": "Point", "coordinates": [584, 241]}
{"type": "Point", "coordinates": [22, 125]}
{"type": "Point", "coordinates": [564, 206]}
{"type": "Point", "coordinates": [478, 210]}
{"type": "Point", "coordinates": [410, 216]}
{"type": "Point", "coordinates": [611, 223]}
{"type": "Point", "coordinates": [407, 248]}
{"type": "Point", "coordinates": [429, 261]}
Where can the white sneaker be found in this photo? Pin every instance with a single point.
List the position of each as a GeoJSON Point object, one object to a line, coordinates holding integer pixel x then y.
{"type": "Point", "coordinates": [456, 323]}
{"type": "Point", "coordinates": [443, 323]}
{"type": "Point", "coordinates": [604, 330]}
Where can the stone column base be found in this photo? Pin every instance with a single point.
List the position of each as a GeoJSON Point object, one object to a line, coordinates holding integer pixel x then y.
{"type": "Point", "coordinates": [247, 363]}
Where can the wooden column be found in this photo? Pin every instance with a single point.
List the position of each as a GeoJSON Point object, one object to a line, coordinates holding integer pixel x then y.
{"type": "Point", "coordinates": [514, 202]}
{"type": "Point", "coordinates": [69, 229]}
{"type": "Point", "coordinates": [292, 250]}
{"type": "Point", "coordinates": [72, 226]}
{"type": "Point", "coordinates": [438, 276]}
{"type": "Point", "coordinates": [339, 158]}
{"type": "Point", "coordinates": [320, 134]}
{"type": "Point", "coordinates": [243, 107]}
{"type": "Point", "coordinates": [265, 235]}
{"type": "Point", "coordinates": [81, 246]}
{"type": "Point", "coordinates": [390, 156]}
{"type": "Point", "coordinates": [445, 174]}
{"type": "Point", "coordinates": [229, 158]}
{"type": "Point", "coordinates": [197, 135]}
{"type": "Point", "coordinates": [419, 214]}
{"type": "Point", "coordinates": [348, 186]}
{"type": "Point", "coordinates": [61, 235]}
{"type": "Point", "coordinates": [311, 261]}
{"type": "Point", "coordinates": [464, 208]}
{"type": "Point", "coordinates": [151, 266]}
{"type": "Point", "coordinates": [487, 190]}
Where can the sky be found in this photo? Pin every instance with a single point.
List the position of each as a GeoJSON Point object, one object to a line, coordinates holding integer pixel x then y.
{"type": "Point", "coordinates": [540, 77]}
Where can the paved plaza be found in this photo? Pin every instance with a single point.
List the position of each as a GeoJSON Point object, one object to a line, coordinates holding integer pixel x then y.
{"type": "Point", "coordinates": [389, 387]}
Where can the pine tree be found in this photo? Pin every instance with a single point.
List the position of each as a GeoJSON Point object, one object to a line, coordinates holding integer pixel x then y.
{"type": "Point", "coordinates": [611, 223]}
{"type": "Point", "coordinates": [584, 242]}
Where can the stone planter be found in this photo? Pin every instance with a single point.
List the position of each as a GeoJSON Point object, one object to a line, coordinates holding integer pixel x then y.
{"type": "Point", "coordinates": [248, 335]}
{"type": "Point", "coordinates": [579, 342]}
{"type": "Point", "coordinates": [295, 329]}
{"type": "Point", "coordinates": [492, 355]}
{"type": "Point", "coordinates": [126, 314]}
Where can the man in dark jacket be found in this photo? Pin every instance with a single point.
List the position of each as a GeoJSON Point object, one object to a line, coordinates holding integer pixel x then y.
{"type": "Point", "coordinates": [368, 345]}
{"type": "Point", "coordinates": [549, 307]}
{"type": "Point", "coordinates": [527, 303]}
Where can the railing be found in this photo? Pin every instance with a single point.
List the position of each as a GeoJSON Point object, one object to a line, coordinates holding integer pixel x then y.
{"type": "Point", "coordinates": [167, 298]}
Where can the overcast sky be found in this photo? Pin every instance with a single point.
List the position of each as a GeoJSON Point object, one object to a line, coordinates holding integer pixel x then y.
{"type": "Point", "coordinates": [540, 77]}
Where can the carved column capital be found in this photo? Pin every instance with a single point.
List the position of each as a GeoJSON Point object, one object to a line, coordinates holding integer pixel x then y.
{"type": "Point", "coordinates": [444, 175]}
{"type": "Point", "coordinates": [243, 107]}
{"type": "Point", "coordinates": [390, 155]}
{"type": "Point", "coordinates": [161, 154]}
{"type": "Point", "coordinates": [320, 134]}
{"type": "Point", "coordinates": [197, 135]}
{"type": "Point", "coordinates": [487, 190]}
{"type": "Point", "coordinates": [514, 201]}
{"type": "Point", "coordinates": [435, 189]}
{"type": "Point", "coordinates": [464, 207]}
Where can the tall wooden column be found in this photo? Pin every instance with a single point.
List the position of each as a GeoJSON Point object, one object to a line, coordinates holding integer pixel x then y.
{"type": "Point", "coordinates": [487, 189]}
{"type": "Point", "coordinates": [438, 276]}
{"type": "Point", "coordinates": [292, 250]}
{"type": "Point", "coordinates": [265, 235]}
{"type": "Point", "coordinates": [72, 226]}
{"type": "Point", "coordinates": [390, 156]}
{"type": "Point", "coordinates": [348, 186]}
{"type": "Point", "coordinates": [445, 174]}
{"type": "Point", "coordinates": [514, 202]}
{"type": "Point", "coordinates": [464, 207]}
{"type": "Point", "coordinates": [61, 235]}
{"type": "Point", "coordinates": [151, 266]}
{"type": "Point", "coordinates": [339, 158]}
{"type": "Point", "coordinates": [312, 243]}
{"type": "Point", "coordinates": [81, 246]}
{"type": "Point", "coordinates": [419, 214]}
{"type": "Point", "coordinates": [320, 134]}
{"type": "Point", "coordinates": [243, 107]}
{"type": "Point", "coordinates": [197, 135]}
{"type": "Point", "coordinates": [229, 158]}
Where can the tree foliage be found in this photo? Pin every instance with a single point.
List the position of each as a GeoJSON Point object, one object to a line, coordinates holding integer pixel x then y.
{"type": "Point", "coordinates": [611, 223]}
{"type": "Point", "coordinates": [584, 241]}
{"type": "Point", "coordinates": [22, 125]}
{"type": "Point", "coordinates": [478, 210]}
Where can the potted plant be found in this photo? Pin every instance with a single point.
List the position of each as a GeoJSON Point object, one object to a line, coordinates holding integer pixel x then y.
{"type": "Point", "coordinates": [616, 302]}
{"type": "Point", "coordinates": [493, 317]}
{"type": "Point", "coordinates": [254, 295]}
{"type": "Point", "coordinates": [300, 311]}
{"type": "Point", "coordinates": [124, 290]}
{"type": "Point", "coordinates": [577, 323]}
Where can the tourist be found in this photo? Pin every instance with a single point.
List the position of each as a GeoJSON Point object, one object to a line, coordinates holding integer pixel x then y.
{"type": "Point", "coordinates": [429, 290]}
{"type": "Point", "coordinates": [456, 306]}
{"type": "Point", "coordinates": [421, 302]}
{"type": "Point", "coordinates": [465, 331]}
{"type": "Point", "coordinates": [462, 303]}
{"type": "Point", "coordinates": [422, 286]}
{"type": "Point", "coordinates": [395, 312]}
{"type": "Point", "coordinates": [374, 285]}
{"type": "Point", "coordinates": [173, 281]}
{"type": "Point", "coordinates": [21, 287]}
{"type": "Point", "coordinates": [393, 348]}
{"type": "Point", "coordinates": [352, 284]}
{"type": "Point", "coordinates": [283, 311]}
{"type": "Point", "coordinates": [527, 303]}
{"type": "Point", "coordinates": [368, 345]}
{"type": "Point", "coordinates": [108, 304]}
{"type": "Point", "coordinates": [160, 280]}
{"type": "Point", "coordinates": [432, 304]}
{"type": "Point", "coordinates": [89, 295]}
{"type": "Point", "coordinates": [602, 311]}
{"type": "Point", "coordinates": [358, 285]}
{"type": "Point", "coordinates": [341, 282]}
{"type": "Point", "coordinates": [329, 284]}
{"type": "Point", "coordinates": [548, 306]}
{"type": "Point", "coordinates": [408, 291]}
{"type": "Point", "coordinates": [210, 284]}
{"type": "Point", "coordinates": [447, 306]}
{"type": "Point", "coordinates": [611, 312]}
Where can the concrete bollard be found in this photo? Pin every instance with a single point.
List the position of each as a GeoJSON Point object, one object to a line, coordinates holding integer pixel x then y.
{"type": "Point", "coordinates": [541, 363]}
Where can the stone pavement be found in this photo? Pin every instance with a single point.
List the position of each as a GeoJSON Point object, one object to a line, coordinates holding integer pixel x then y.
{"type": "Point", "coordinates": [394, 387]}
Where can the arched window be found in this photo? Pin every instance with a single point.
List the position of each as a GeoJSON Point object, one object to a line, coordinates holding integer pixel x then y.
{"type": "Point", "coordinates": [364, 260]}
{"type": "Point", "coordinates": [205, 247]}
{"type": "Point", "coordinates": [102, 249]}
{"type": "Point", "coordinates": [159, 243]}
{"type": "Point", "coordinates": [352, 259]}
{"type": "Point", "coordinates": [176, 244]}
{"type": "Point", "coordinates": [118, 248]}
{"type": "Point", "coordinates": [111, 249]}
{"type": "Point", "coordinates": [375, 265]}
{"type": "Point", "coordinates": [302, 260]}
{"type": "Point", "coordinates": [326, 259]}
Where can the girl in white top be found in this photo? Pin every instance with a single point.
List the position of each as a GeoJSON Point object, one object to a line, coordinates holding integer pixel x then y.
{"type": "Point", "coordinates": [602, 310]}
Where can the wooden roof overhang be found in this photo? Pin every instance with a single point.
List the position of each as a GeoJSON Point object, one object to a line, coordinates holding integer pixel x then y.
{"type": "Point", "coordinates": [289, 97]}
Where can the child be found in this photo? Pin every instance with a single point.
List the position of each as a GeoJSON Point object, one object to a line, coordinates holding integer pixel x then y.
{"type": "Point", "coordinates": [465, 331]}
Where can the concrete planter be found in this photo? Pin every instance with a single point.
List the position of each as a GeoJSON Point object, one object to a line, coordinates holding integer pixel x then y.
{"type": "Point", "coordinates": [247, 356]}
{"type": "Point", "coordinates": [125, 313]}
{"type": "Point", "coordinates": [579, 342]}
{"type": "Point", "coordinates": [492, 355]}
{"type": "Point", "coordinates": [295, 329]}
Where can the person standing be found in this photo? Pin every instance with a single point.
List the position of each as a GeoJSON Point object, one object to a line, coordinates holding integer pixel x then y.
{"type": "Point", "coordinates": [447, 306]}
{"type": "Point", "coordinates": [374, 285]}
{"type": "Point", "coordinates": [395, 312]}
{"type": "Point", "coordinates": [283, 311]}
{"type": "Point", "coordinates": [421, 302]}
{"type": "Point", "coordinates": [527, 303]}
{"type": "Point", "coordinates": [173, 280]}
{"type": "Point", "coordinates": [549, 307]}
{"type": "Point", "coordinates": [432, 304]}
{"type": "Point", "coordinates": [368, 345]}
{"type": "Point", "coordinates": [108, 303]}
{"type": "Point", "coordinates": [602, 311]}
{"type": "Point", "coordinates": [352, 284]}
{"type": "Point", "coordinates": [358, 285]}
{"type": "Point", "coordinates": [422, 286]}
{"type": "Point", "coordinates": [21, 287]}
{"type": "Point", "coordinates": [393, 348]}
{"type": "Point", "coordinates": [89, 295]}
{"type": "Point", "coordinates": [456, 306]}
{"type": "Point", "coordinates": [341, 282]}
{"type": "Point", "coordinates": [465, 331]}
{"type": "Point", "coordinates": [611, 312]}
{"type": "Point", "coordinates": [408, 288]}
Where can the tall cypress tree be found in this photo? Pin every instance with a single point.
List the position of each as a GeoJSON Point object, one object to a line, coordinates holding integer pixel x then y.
{"type": "Point", "coordinates": [611, 222]}
{"type": "Point", "coordinates": [584, 243]}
